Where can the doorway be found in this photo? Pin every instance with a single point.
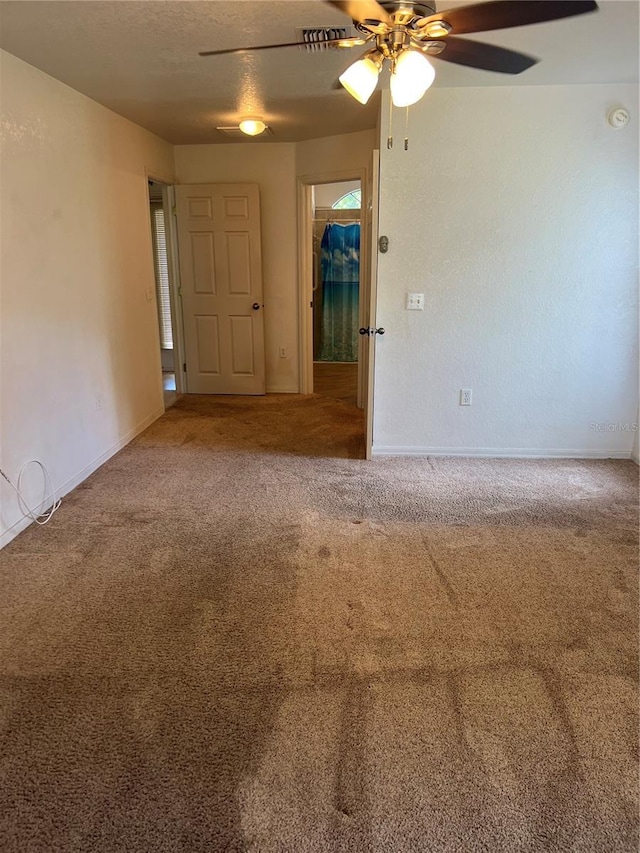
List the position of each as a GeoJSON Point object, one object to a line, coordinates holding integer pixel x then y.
{"type": "Point", "coordinates": [308, 202]}
{"type": "Point", "coordinates": [162, 236]}
{"type": "Point", "coordinates": [336, 241]}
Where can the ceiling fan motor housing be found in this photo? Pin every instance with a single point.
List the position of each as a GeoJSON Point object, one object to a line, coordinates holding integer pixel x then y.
{"type": "Point", "coordinates": [403, 14]}
{"type": "Point", "coordinates": [420, 10]}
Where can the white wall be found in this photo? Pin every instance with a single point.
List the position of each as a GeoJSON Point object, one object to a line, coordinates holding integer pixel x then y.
{"type": "Point", "coordinates": [348, 153]}
{"type": "Point", "coordinates": [515, 211]}
{"type": "Point", "coordinates": [272, 166]}
{"type": "Point", "coordinates": [75, 320]}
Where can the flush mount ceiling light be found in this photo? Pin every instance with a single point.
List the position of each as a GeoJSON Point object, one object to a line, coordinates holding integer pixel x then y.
{"type": "Point", "coordinates": [252, 126]}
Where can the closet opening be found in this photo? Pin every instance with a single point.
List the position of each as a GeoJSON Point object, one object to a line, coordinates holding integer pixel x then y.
{"type": "Point", "coordinates": [336, 296]}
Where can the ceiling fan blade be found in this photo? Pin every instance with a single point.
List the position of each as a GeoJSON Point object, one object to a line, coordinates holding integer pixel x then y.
{"type": "Point", "coordinates": [500, 14]}
{"type": "Point", "coordinates": [488, 57]}
{"type": "Point", "coordinates": [347, 42]}
{"type": "Point", "coordinates": [362, 10]}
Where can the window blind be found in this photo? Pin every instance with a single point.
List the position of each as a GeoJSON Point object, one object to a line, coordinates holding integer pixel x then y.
{"type": "Point", "coordinates": [162, 275]}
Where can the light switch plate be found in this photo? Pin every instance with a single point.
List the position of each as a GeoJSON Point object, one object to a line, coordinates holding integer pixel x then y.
{"type": "Point", "coordinates": [415, 302]}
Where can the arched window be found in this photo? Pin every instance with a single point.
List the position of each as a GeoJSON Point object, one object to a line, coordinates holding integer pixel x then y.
{"type": "Point", "coordinates": [349, 201]}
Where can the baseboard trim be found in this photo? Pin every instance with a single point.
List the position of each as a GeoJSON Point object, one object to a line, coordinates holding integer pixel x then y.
{"type": "Point", "coordinates": [11, 532]}
{"type": "Point", "coordinates": [500, 453]}
{"type": "Point", "coordinates": [285, 389]}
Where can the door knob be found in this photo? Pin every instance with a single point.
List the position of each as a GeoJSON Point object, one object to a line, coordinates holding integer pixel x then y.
{"type": "Point", "coordinates": [256, 306]}
{"type": "Point", "coordinates": [369, 331]}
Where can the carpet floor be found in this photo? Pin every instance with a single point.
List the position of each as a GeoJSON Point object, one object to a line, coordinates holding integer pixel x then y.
{"type": "Point", "coordinates": [239, 636]}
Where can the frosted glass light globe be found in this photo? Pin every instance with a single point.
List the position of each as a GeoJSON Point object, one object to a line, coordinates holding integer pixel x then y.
{"type": "Point", "coordinates": [252, 126]}
{"type": "Point", "coordinates": [411, 78]}
{"type": "Point", "coordinates": [360, 79]}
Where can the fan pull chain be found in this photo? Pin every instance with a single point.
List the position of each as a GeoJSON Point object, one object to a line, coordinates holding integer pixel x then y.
{"type": "Point", "coordinates": [390, 136]}
{"type": "Point", "coordinates": [406, 131]}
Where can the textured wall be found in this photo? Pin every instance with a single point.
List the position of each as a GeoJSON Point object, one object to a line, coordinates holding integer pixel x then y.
{"type": "Point", "coordinates": [349, 152]}
{"type": "Point", "coordinates": [76, 269]}
{"type": "Point", "coordinates": [516, 212]}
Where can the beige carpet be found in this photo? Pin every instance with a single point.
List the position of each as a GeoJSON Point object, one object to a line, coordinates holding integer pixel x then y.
{"type": "Point", "coordinates": [239, 636]}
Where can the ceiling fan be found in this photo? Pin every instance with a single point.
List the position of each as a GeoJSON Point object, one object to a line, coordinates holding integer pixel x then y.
{"type": "Point", "coordinates": [405, 33]}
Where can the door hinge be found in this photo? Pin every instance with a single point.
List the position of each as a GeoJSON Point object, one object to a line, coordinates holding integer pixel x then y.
{"type": "Point", "coordinates": [184, 367]}
{"type": "Point", "coordinates": [173, 210]}
{"type": "Point", "coordinates": [311, 305]}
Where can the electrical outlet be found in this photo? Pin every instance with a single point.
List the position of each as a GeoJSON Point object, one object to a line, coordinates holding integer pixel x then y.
{"type": "Point", "coordinates": [283, 352]}
{"type": "Point", "coordinates": [465, 396]}
{"type": "Point", "coordinates": [414, 302]}
{"type": "Point", "coordinates": [98, 402]}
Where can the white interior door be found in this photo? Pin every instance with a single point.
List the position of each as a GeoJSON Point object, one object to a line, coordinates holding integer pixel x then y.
{"type": "Point", "coordinates": [369, 348]}
{"type": "Point", "coordinates": [221, 286]}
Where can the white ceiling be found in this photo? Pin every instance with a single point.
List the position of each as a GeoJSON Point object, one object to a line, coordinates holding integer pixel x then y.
{"type": "Point", "coordinates": [140, 59]}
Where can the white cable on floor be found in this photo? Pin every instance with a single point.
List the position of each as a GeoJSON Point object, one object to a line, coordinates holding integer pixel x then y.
{"type": "Point", "coordinates": [38, 517]}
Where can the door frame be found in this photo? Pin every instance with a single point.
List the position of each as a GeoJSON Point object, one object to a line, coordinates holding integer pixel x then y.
{"type": "Point", "coordinates": [175, 299]}
{"type": "Point", "coordinates": [372, 229]}
{"type": "Point", "coordinates": [305, 271]}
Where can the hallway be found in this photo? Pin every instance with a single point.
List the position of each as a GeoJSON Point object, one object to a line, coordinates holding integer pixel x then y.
{"type": "Point", "coordinates": [338, 380]}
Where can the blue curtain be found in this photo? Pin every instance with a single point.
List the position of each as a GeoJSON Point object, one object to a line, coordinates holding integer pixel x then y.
{"type": "Point", "coordinates": [340, 265]}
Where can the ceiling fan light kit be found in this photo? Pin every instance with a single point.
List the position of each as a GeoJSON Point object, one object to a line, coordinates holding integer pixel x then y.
{"type": "Point", "coordinates": [406, 31]}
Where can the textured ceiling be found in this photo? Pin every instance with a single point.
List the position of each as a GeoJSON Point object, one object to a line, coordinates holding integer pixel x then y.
{"type": "Point", "coordinates": [139, 58]}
